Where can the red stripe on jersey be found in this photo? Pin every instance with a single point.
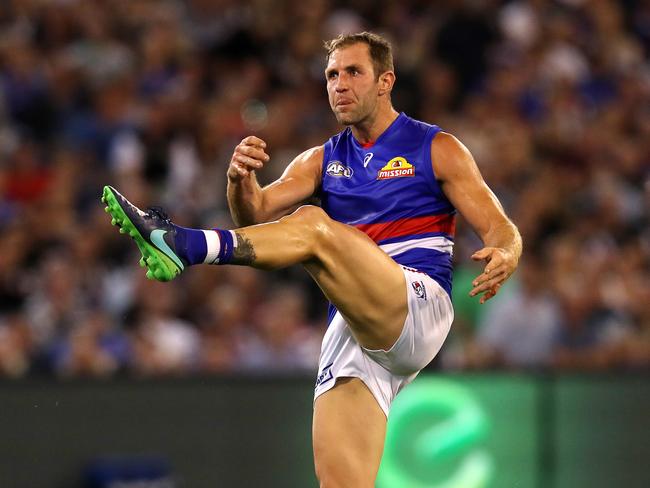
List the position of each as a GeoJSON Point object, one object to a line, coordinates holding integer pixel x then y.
{"type": "Point", "coordinates": [445, 224]}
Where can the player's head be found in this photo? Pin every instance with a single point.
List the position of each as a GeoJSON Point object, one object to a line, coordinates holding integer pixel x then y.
{"type": "Point", "coordinates": [360, 75]}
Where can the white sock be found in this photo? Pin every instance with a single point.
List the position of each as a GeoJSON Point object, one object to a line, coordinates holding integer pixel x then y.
{"type": "Point", "coordinates": [213, 243]}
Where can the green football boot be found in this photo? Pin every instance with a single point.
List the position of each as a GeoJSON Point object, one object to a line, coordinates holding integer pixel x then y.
{"type": "Point", "coordinates": [152, 231]}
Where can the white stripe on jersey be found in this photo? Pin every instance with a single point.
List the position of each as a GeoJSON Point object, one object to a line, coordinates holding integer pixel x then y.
{"type": "Point", "coordinates": [437, 243]}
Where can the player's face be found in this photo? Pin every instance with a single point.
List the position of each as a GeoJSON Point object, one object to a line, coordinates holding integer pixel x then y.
{"type": "Point", "coordinates": [351, 84]}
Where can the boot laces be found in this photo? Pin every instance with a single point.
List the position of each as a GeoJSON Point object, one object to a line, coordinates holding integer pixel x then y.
{"type": "Point", "coordinates": [158, 212]}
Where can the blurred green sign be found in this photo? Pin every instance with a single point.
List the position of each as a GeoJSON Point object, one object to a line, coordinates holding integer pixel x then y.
{"type": "Point", "coordinates": [465, 433]}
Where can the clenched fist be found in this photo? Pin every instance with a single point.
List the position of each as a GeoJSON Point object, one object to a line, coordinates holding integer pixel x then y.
{"type": "Point", "coordinates": [248, 156]}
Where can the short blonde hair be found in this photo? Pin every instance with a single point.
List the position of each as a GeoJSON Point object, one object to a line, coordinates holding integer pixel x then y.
{"type": "Point", "coordinates": [381, 51]}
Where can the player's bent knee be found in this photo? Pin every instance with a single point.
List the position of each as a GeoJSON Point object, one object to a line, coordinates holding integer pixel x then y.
{"type": "Point", "coordinates": [309, 214]}
{"type": "Point", "coordinates": [317, 226]}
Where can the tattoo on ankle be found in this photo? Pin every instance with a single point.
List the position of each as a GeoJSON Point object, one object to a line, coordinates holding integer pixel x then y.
{"type": "Point", "coordinates": [244, 253]}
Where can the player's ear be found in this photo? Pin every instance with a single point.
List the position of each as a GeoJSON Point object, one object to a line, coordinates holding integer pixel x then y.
{"type": "Point", "coordinates": [386, 82]}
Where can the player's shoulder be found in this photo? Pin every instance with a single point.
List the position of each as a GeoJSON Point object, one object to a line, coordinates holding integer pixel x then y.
{"type": "Point", "coordinates": [313, 153]}
{"type": "Point", "coordinates": [310, 158]}
{"type": "Point", "coordinates": [449, 156]}
{"type": "Point", "coordinates": [306, 165]}
{"type": "Point", "coordinates": [446, 143]}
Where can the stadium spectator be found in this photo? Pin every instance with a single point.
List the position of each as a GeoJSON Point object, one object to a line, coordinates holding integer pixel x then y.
{"type": "Point", "coordinates": [151, 96]}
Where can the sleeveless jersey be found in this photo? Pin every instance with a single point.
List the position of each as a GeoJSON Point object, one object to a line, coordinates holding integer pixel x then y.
{"type": "Point", "coordinates": [390, 192]}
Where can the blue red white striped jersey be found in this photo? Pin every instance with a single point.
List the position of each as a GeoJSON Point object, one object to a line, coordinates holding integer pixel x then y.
{"type": "Point", "coordinates": [389, 191]}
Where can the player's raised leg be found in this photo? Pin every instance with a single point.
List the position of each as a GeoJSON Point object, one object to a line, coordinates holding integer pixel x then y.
{"type": "Point", "coordinates": [364, 283]}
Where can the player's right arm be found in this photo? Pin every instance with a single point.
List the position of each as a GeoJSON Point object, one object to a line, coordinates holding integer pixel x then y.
{"type": "Point", "coordinates": [250, 203]}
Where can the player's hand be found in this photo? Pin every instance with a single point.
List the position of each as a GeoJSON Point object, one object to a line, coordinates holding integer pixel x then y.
{"type": "Point", "coordinates": [248, 156]}
{"type": "Point", "coordinates": [501, 263]}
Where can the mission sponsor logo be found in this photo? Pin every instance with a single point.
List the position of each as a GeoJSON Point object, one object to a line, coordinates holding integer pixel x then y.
{"type": "Point", "coordinates": [396, 168]}
{"type": "Point", "coordinates": [338, 169]}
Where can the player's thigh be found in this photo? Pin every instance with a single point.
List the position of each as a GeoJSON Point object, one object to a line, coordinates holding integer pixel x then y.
{"type": "Point", "coordinates": [364, 283]}
{"type": "Point", "coordinates": [349, 429]}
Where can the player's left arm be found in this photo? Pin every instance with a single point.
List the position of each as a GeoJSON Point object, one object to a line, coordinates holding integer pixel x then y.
{"type": "Point", "coordinates": [465, 188]}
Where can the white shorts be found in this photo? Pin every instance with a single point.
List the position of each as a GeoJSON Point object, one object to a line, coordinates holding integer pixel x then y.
{"type": "Point", "coordinates": [386, 372]}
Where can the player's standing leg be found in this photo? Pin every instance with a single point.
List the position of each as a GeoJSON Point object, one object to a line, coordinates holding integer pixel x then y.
{"type": "Point", "coordinates": [348, 434]}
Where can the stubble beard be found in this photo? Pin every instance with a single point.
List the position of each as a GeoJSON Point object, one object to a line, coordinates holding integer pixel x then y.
{"type": "Point", "coordinates": [346, 119]}
{"type": "Point", "coordinates": [350, 118]}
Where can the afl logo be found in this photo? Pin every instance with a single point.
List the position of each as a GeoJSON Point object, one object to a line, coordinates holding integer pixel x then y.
{"type": "Point", "coordinates": [336, 168]}
{"type": "Point", "coordinates": [396, 168]}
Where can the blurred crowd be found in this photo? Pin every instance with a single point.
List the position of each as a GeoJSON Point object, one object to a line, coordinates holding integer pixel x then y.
{"type": "Point", "coordinates": [151, 96]}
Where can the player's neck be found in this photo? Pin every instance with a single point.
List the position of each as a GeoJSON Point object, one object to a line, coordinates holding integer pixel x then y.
{"type": "Point", "coordinates": [369, 130]}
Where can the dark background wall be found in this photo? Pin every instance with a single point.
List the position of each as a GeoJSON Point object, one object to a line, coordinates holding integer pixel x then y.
{"type": "Point", "coordinates": [562, 432]}
{"type": "Point", "coordinates": [214, 433]}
